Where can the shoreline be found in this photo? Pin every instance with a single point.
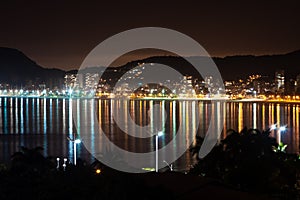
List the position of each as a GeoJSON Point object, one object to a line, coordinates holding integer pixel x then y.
{"type": "Point", "coordinates": [250, 100]}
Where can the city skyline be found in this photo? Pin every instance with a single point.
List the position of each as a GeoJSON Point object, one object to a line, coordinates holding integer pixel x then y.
{"type": "Point", "coordinates": [149, 99]}
{"type": "Point", "coordinates": [60, 34]}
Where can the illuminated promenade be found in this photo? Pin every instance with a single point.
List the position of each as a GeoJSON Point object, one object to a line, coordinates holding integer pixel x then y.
{"type": "Point", "coordinates": [63, 94]}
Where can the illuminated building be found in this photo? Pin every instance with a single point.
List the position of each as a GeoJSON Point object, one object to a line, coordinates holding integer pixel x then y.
{"type": "Point", "coordinates": [279, 82]}
{"type": "Point", "coordinates": [91, 80]}
{"type": "Point", "coordinates": [70, 80]}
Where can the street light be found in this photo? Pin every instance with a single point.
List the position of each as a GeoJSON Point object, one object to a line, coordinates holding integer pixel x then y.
{"type": "Point", "coordinates": [65, 164]}
{"type": "Point", "coordinates": [160, 133]}
{"type": "Point", "coordinates": [273, 126]}
{"type": "Point", "coordinates": [75, 142]}
{"type": "Point", "coordinates": [169, 165]}
{"type": "Point", "coordinates": [282, 128]}
{"type": "Point", "coordinates": [57, 163]}
{"type": "Point", "coordinates": [279, 130]}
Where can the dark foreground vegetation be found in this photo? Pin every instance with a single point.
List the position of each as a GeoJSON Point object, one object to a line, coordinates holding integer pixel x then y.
{"type": "Point", "coordinates": [251, 161]}
{"type": "Point", "coordinates": [32, 176]}
{"type": "Point", "coordinates": [247, 165]}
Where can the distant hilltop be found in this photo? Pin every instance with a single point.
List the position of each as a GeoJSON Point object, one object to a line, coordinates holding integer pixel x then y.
{"type": "Point", "coordinates": [19, 70]}
{"type": "Point", "coordinates": [236, 67]}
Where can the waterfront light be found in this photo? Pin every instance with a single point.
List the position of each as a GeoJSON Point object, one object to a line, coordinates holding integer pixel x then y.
{"type": "Point", "coordinates": [98, 171]}
{"type": "Point", "coordinates": [75, 142]}
{"type": "Point", "coordinates": [149, 169]}
{"type": "Point", "coordinates": [169, 165]}
{"type": "Point", "coordinates": [273, 126]}
{"type": "Point", "coordinates": [65, 164]}
{"type": "Point", "coordinates": [279, 129]}
{"type": "Point", "coordinates": [160, 133]}
{"type": "Point", "coordinates": [57, 166]}
{"type": "Point", "coordinates": [282, 128]}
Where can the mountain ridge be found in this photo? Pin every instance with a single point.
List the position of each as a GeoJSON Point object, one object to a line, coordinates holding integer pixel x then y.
{"type": "Point", "coordinates": [17, 69]}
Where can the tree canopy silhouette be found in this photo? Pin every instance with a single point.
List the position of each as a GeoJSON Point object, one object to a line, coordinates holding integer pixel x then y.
{"type": "Point", "coordinates": [249, 160]}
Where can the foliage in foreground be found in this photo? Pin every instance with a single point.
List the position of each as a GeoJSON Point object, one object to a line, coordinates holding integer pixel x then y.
{"type": "Point", "coordinates": [30, 175]}
{"type": "Point", "coordinates": [250, 160]}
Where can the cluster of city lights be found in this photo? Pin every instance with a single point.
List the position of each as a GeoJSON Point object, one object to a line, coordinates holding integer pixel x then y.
{"type": "Point", "coordinates": [70, 93]}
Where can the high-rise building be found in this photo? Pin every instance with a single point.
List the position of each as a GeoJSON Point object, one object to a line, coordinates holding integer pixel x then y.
{"type": "Point", "coordinates": [70, 81]}
{"type": "Point", "coordinates": [91, 81]}
{"type": "Point", "coordinates": [279, 82]}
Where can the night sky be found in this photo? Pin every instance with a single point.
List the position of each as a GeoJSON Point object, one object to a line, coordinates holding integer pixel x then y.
{"type": "Point", "coordinates": [61, 33]}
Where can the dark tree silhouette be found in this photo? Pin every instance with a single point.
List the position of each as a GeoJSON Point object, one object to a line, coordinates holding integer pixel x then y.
{"type": "Point", "coordinates": [249, 160]}
{"type": "Point", "coordinates": [29, 161]}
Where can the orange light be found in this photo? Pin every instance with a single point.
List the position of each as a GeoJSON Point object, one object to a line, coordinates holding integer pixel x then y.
{"type": "Point", "coordinates": [98, 171]}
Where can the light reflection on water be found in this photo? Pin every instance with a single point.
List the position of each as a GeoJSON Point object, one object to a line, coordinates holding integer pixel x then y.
{"type": "Point", "coordinates": [47, 122]}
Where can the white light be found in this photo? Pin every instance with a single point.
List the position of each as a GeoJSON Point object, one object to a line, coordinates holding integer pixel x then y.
{"type": "Point", "coordinates": [273, 126]}
{"type": "Point", "coordinates": [282, 128]}
{"type": "Point", "coordinates": [77, 141]}
{"type": "Point", "coordinates": [160, 133]}
{"type": "Point", "coordinates": [57, 159]}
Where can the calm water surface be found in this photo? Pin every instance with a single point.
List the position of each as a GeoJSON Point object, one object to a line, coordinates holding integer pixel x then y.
{"type": "Point", "coordinates": [46, 122]}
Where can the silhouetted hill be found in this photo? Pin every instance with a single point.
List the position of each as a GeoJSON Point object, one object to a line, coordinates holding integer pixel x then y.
{"type": "Point", "coordinates": [17, 69]}
{"type": "Point", "coordinates": [233, 67]}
